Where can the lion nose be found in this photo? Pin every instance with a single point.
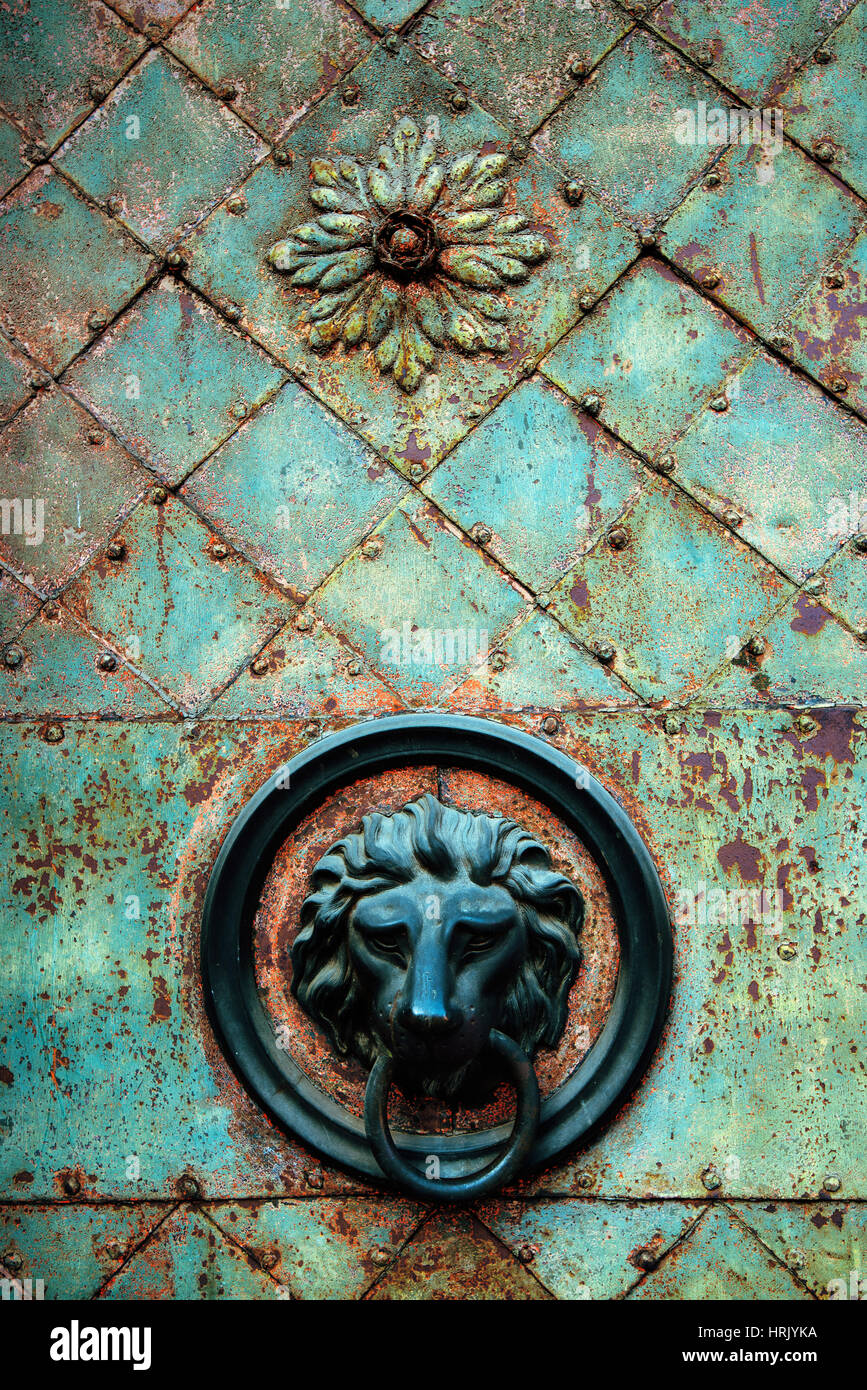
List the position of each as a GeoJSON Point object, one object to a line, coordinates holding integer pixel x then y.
{"type": "Point", "coordinates": [425, 1007]}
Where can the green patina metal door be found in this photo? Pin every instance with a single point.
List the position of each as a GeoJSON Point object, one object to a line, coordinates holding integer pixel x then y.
{"type": "Point", "coordinates": [477, 357]}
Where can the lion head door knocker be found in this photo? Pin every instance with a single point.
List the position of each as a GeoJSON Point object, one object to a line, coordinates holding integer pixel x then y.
{"type": "Point", "coordinates": [438, 945]}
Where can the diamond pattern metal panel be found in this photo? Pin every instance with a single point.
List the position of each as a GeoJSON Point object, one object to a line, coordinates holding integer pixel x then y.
{"type": "Point", "coordinates": [825, 103]}
{"type": "Point", "coordinates": [753, 49]}
{"type": "Point", "coordinates": [74, 1249]}
{"type": "Point", "coordinates": [720, 1258]}
{"type": "Point", "coordinates": [13, 147]}
{"type": "Point", "coordinates": [648, 357]}
{"type": "Point", "coordinates": [661, 601]}
{"type": "Point", "coordinates": [540, 480]}
{"type": "Point", "coordinates": [59, 61]}
{"type": "Point", "coordinates": [173, 379]}
{"type": "Point", "coordinates": [67, 487]}
{"type": "Point", "coordinates": [53, 303]}
{"type": "Point", "coordinates": [295, 490]}
{"type": "Point", "coordinates": [160, 152]}
{"type": "Point", "coordinates": [618, 133]}
{"type": "Point", "coordinates": [272, 62]}
{"type": "Point", "coordinates": [16, 375]}
{"type": "Point", "coordinates": [520, 60]}
{"type": "Point", "coordinates": [827, 330]}
{"type": "Point", "coordinates": [845, 588]}
{"type": "Point", "coordinates": [772, 455]}
{"type": "Point", "coordinates": [728, 237]}
{"type": "Point", "coordinates": [182, 606]}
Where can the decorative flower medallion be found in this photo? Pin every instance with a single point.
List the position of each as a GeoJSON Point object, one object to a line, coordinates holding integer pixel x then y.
{"type": "Point", "coordinates": [410, 254]}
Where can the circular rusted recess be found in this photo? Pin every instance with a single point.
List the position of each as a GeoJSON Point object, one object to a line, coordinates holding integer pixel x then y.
{"type": "Point", "coordinates": [13, 657]}
{"type": "Point", "coordinates": [106, 661]}
{"type": "Point", "coordinates": [263, 868]}
{"type": "Point", "coordinates": [406, 244]}
{"type": "Point", "coordinates": [618, 538]}
{"type": "Point", "coordinates": [573, 192]}
{"type": "Point", "coordinates": [115, 550]}
{"type": "Point", "coordinates": [52, 733]}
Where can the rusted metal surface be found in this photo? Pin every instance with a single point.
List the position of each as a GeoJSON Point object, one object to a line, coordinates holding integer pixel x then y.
{"type": "Point", "coordinates": [624, 511]}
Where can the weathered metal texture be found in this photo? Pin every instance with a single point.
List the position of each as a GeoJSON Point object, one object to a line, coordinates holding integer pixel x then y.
{"type": "Point", "coordinates": [752, 49]}
{"type": "Point", "coordinates": [162, 149]}
{"type": "Point", "coordinates": [51, 303]}
{"type": "Point", "coordinates": [60, 60]}
{"type": "Point", "coordinates": [295, 490]}
{"type": "Point", "coordinates": [272, 61]}
{"type": "Point", "coordinates": [825, 103]}
{"type": "Point", "coordinates": [668, 595]}
{"type": "Point", "coordinates": [721, 234]}
{"type": "Point", "coordinates": [172, 379]}
{"type": "Point", "coordinates": [73, 484]}
{"type": "Point", "coordinates": [473, 544]}
{"type": "Point", "coordinates": [521, 61]}
{"type": "Point", "coordinates": [617, 134]}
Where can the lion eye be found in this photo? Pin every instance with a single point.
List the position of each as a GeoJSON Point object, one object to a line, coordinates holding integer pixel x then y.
{"type": "Point", "coordinates": [386, 945]}
{"type": "Point", "coordinates": [478, 945]}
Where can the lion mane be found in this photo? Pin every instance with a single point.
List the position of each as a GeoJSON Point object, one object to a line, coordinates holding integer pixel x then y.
{"type": "Point", "coordinates": [426, 835]}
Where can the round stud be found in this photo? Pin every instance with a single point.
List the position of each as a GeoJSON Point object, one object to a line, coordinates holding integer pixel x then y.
{"type": "Point", "coordinates": [732, 519]}
{"type": "Point", "coordinates": [354, 668]}
{"type": "Point", "coordinates": [115, 550]}
{"type": "Point", "coordinates": [259, 667]}
{"type": "Point", "coordinates": [269, 1259]}
{"type": "Point", "coordinates": [573, 192]}
{"type": "Point", "coordinates": [824, 151]}
{"type": "Point", "coordinates": [704, 58]}
{"type": "Point", "coordinates": [497, 661]}
{"type": "Point", "coordinates": [618, 538]}
{"type": "Point", "coordinates": [12, 1260]}
{"type": "Point", "coordinates": [711, 281]}
{"type": "Point", "coordinates": [71, 1185]}
{"type": "Point", "coordinates": [645, 1259]}
{"type": "Point", "coordinates": [282, 155]}
{"type": "Point", "coordinates": [153, 29]}
{"type": "Point", "coordinates": [783, 345]}
{"type": "Point", "coordinates": [719, 404]}
{"type": "Point", "coordinates": [350, 96]}
{"type": "Point", "coordinates": [604, 651]}
{"type": "Point", "coordinates": [392, 43]}
{"type": "Point", "coordinates": [106, 661]}
{"type": "Point", "coordinates": [227, 91]}
{"type": "Point", "coordinates": [672, 724]}
{"type": "Point", "coordinates": [304, 622]}
{"type": "Point", "coordinates": [372, 549]}
{"type": "Point", "coordinates": [13, 657]}
{"type": "Point", "coordinates": [831, 1183]}
{"type": "Point", "coordinates": [591, 403]}
{"type": "Point", "coordinates": [158, 496]}
{"type": "Point", "coordinates": [312, 1177]}
{"type": "Point", "coordinates": [823, 55]}
{"type": "Point", "coordinates": [95, 436]}
{"type": "Point", "coordinates": [711, 1179]}
{"type": "Point", "coordinates": [232, 312]}
{"type": "Point", "coordinates": [648, 240]}
{"type": "Point", "coordinates": [577, 68]}
{"type": "Point", "coordinates": [796, 1259]}
{"type": "Point", "coordinates": [51, 609]}
{"type": "Point", "coordinates": [416, 472]}
{"type": "Point", "coordinates": [519, 150]}
{"type": "Point", "coordinates": [712, 180]}
{"type": "Point", "coordinates": [787, 950]}
{"type": "Point", "coordinates": [839, 385]}
{"type": "Point", "coordinates": [114, 1249]}
{"type": "Point", "coordinates": [527, 1254]}
{"type": "Point", "coordinates": [97, 321]}
{"type": "Point", "coordinates": [239, 410]}
{"type": "Point", "coordinates": [550, 725]}
{"type": "Point", "coordinates": [53, 733]}
{"type": "Point", "coordinates": [835, 280]}
{"type": "Point", "coordinates": [585, 1180]}
{"type": "Point", "coordinates": [220, 551]}
{"type": "Point", "coordinates": [175, 260]}
{"type": "Point", "coordinates": [482, 533]}
{"type": "Point", "coordinates": [586, 302]}
{"type": "Point", "coordinates": [665, 464]}
{"type": "Point", "coordinates": [756, 646]}
{"type": "Point", "coordinates": [459, 101]}
{"type": "Point", "coordinates": [187, 1185]}
{"type": "Point", "coordinates": [859, 540]}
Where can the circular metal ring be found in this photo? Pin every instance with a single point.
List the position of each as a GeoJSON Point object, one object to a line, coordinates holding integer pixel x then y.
{"type": "Point", "coordinates": [612, 1067]}
{"type": "Point", "coordinates": [499, 1170]}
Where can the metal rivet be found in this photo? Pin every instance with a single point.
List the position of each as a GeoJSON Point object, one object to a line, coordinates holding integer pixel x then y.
{"type": "Point", "coordinates": [732, 519]}
{"type": "Point", "coordinates": [550, 725]}
{"type": "Point", "coordinates": [787, 950]}
{"type": "Point", "coordinates": [51, 609]}
{"type": "Point", "coordinates": [112, 206]}
{"type": "Point", "coordinates": [282, 155]}
{"type": "Point", "coordinates": [13, 657]}
{"type": "Point", "coordinates": [618, 538]}
{"type": "Point", "coordinates": [860, 542]}
{"type": "Point", "coordinates": [371, 550]}
{"type": "Point", "coordinates": [106, 661]}
{"type": "Point", "coordinates": [115, 550]}
{"type": "Point", "coordinates": [824, 151]}
{"type": "Point", "coordinates": [95, 437]}
{"type": "Point", "coordinates": [591, 403]}
{"type": "Point", "coordinates": [236, 204]}
{"type": "Point", "coordinates": [861, 635]}
{"type": "Point", "coordinates": [719, 403]}
{"type": "Point", "coordinates": [392, 42]}
{"type": "Point", "coordinates": [586, 302]}
{"type": "Point", "coordinates": [38, 383]}
{"type": "Point", "coordinates": [585, 1180]}
{"type": "Point", "coordinates": [12, 1260]}
{"type": "Point", "coordinates": [239, 410]}
{"type": "Point", "coordinates": [71, 1185]}
{"type": "Point", "coordinates": [519, 150]}
{"type": "Point", "coordinates": [796, 1259]}
{"type": "Point", "coordinates": [645, 1259]}
{"type": "Point", "coordinates": [756, 646]}
{"type": "Point", "coordinates": [159, 496]}
{"type": "Point", "coordinates": [816, 585]}
{"type": "Point", "coordinates": [573, 192]}
{"type": "Point", "coordinates": [53, 733]}
{"type": "Point", "coordinates": [782, 344]}
{"type": "Point", "coordinates": [527, 1253]}
{"type": "Point", "coordinates": [153, 29]}
{"type": "Point", "coordinates": [175, 259]}
{"type": "Point", "coordinates": [187, 1185]}
{"type": "Point", "coordinates": [228, 90]}
{"type": "Point", "coordinates": [459, 101]}
{"type": "Point", "coordinates": [416, 472]}
{"type": "Point", "coordinates": [712, 180]}
{"type": "Point", "coordinates": [97, 321]}
{"type": "Point", "coordinates": [498, 661]}
{"type": "Point", "coordinates": [304, 622]}
{"type": "Point", "coordinates": [220, 551]}
{"type": "Point", "coordinates": [604, 651]}
{"type": "Point", "coordinates": [260, 666]}
{"type": "Point", "coordinates": [839, 385]}
{"type": "Point", "coordinates": [832, 1183]}
{"type": "Point", "coordinates": [835, 279]}
{"type": "Point", "coordinates": [354, 668]}
{"type": "Point", "coordinates": [481, 533]}
{"type": "Point", "coordinates": [350, 95]}
{"type": "Point", "coordinates": [380, 1256]}
{"type": "Point", "coordinates": [823, 55]}
{"type": "Point", "coordinates": [648, 239]}
{"type": "Point", "coordinates": [672, 724]}
{"type": "Point", "coordinates": [312, 1177]}
{"type": "Point", "coordinates": [232, 312]}
{"type": "Point", "coordinates": [97, 89]}
{"type": "Point", "coordinates": [269, 1259]}
{"type": "Point", "coordinates": [666, 463]}
{"type": "Point", "coordinates": [704, 58]}
{"type": "Point", "coordinates": [711, 280]}
{"type": "Point", "coordinates": [711, 1179]}
{"type": "Point", "coordinates": [113, 1249]}
{"type": "Point", "coordinates": [578, 67]}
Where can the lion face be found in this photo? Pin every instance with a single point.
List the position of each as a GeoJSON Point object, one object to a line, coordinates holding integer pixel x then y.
{"type": "Point", "coordinates": [429, 928]}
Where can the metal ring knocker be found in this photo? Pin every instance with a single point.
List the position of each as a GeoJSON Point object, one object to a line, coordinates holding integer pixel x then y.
{"type": "Point", "coordinates": [498, 1171]}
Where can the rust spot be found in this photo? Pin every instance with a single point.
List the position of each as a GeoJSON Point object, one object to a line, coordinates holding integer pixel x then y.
{"type": "Point", "coordinates": [810, 617]}
{"type": "Point", "coordinates": [746, 858]}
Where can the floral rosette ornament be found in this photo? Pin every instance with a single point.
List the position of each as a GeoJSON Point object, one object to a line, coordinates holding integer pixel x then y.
{"type": "Point", "coordinates": [410, 254]}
